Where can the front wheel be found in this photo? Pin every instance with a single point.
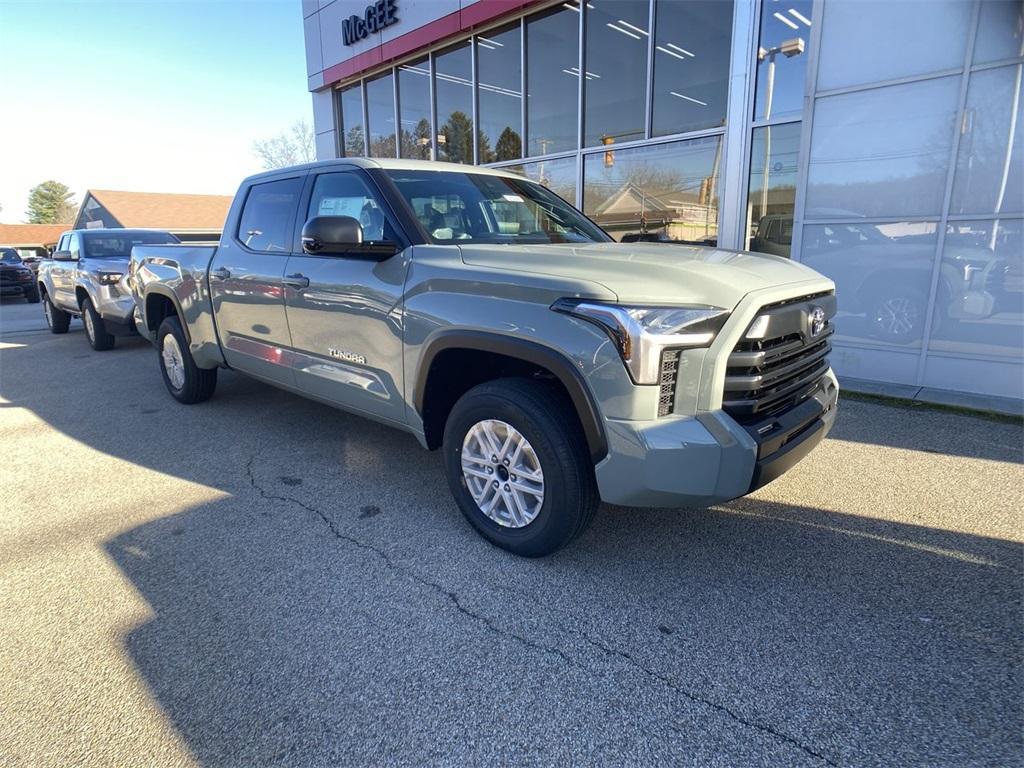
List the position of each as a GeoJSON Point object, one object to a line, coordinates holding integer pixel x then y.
{"type": "Point", "coordinates": [57, 320]}
{"type": "Point", "coordinates": [95, 331]}
{"type": "Point", "coordinates": [519, 472]}
{"type": "Point", "coordinates": [187, 382]}
{"type": "Point", "coordinates": [32, 295]}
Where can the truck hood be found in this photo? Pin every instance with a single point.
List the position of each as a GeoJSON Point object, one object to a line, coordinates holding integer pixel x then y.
{"type": "Point", "coordinates": [651, 273]}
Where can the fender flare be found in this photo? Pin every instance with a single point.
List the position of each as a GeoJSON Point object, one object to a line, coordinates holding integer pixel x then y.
{"type": "Point", "coordinates": [530, 351]}
{"type": "Point", "coordinates": [159, 290]}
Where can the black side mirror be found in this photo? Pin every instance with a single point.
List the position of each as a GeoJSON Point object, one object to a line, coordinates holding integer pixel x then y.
{"type": "Point", "coordinates": [63, 256]}
{"type": "Point", "coordinates": [342, 236]}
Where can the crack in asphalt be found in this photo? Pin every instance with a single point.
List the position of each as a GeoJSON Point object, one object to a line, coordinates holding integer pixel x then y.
{"type": "Point", "coordinates": [453, 598]}
{"type": "Point", "coordinates": [697, 699]}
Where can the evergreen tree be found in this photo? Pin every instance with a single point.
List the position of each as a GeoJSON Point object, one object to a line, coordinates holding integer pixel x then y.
{"type": "Point", "coordinates": [51, 203]}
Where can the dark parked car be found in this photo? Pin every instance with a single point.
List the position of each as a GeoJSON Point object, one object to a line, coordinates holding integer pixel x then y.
{"type": "Point", "coordinates": [16, 279]}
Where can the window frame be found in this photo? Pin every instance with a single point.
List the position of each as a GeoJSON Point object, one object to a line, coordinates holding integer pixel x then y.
{"type": "Point", "coordinates": [290, 227]}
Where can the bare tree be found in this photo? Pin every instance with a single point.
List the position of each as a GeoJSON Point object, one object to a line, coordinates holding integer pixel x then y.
{"type": "Point", "coordinates": [293, 147]}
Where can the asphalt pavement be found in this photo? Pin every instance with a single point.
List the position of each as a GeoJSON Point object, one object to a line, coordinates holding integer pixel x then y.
{"type": "Point", "coordinates": [262, 580]}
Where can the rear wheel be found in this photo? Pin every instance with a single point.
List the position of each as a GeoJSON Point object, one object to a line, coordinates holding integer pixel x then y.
{"type": "Point", "coordinates": [57, 320]}
{"type": "Point", "coordinates": [520, 474]}
{"type": "Point", "coordinates": [95, 331]}
{"type": "Point", "coordinates": [187, 382]}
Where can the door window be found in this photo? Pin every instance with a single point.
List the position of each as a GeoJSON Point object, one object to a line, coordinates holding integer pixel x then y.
{"type": "Point", "coordinates": [345, 194]}
{"type": "Point", "coordinates": [266, 221]}
{"type": "Point", "coordinates": [73, 245]}
{"type": "Point", "coordinates": [63, 244]}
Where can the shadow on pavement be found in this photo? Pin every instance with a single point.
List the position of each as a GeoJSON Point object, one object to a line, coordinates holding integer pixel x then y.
{"type": "Point", "coordinates": [336, 608]}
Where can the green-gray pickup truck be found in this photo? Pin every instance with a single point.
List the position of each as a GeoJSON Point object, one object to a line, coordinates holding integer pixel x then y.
{"type": "Point", "coordinates": [554, 367]}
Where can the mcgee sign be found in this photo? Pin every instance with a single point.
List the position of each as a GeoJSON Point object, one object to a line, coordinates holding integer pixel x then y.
{"type": "Point", "coordinates": [377, 16]}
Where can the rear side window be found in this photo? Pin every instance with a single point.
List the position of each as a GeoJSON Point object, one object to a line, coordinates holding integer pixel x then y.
{"type": "Point", "coordinates": [266, 221]}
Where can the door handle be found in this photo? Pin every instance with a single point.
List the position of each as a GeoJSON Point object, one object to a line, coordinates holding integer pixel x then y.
{"type": "Point", "coordinates": [220, 273]}
{"type": "Point", "coordinates": [297, 281]}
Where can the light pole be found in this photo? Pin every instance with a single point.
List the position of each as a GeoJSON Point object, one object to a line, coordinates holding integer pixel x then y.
{"type": "Point", "coordinates": [789, 49]}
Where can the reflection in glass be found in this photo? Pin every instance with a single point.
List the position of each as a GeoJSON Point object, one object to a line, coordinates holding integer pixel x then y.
{"type": "Point", "coordinates": [1000, 31]}
{"type": "Point", "coordinates": [772, 195]}
{"type": "Point", "coordinates": [351, 99]}
{"type": "Point", "coordinates": [553, 80]}
{"type": "Point", "coordinates": [414, 104]}
{"type": "Point", "coordinates": [691, 64]}
{"type": "Point", "coordinates": [868, 41]}
{"type": "Point", "coordinates": [882, 274]}
{"type": "Point", "coordinates": [380, 108]}
{"type": "Point", "coordinates": [882, 152]}
{"type": "Point", "coordinates": [666, 192]}
{"type": "Point", "coordinates": [454, 87]}
{"type": "Point", "coordinates": [989, 178]}
{"type": "Point", "coordinates": [615, 76]}
{"type": "Point", "coordinates": [557, 175]}
{"type": "Point", "coordinates": [979, 307]}
{"type": "Point", "coordinates": [499, 85]}
{"type": "Point", "coordinates": [782, 59]}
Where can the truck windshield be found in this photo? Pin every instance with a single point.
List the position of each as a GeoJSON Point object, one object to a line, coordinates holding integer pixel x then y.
{"type": "Point", "coordinates": [479, 208]}
{"type": "Point", "coordinates": [105, 245]}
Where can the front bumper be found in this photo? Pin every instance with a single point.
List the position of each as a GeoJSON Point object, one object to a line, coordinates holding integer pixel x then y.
{"type": "Point", "coordinates": [685, 461]}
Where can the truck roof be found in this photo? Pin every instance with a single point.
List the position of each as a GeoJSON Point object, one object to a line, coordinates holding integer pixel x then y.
{"type": "Point", "coordinates": [392, 164]}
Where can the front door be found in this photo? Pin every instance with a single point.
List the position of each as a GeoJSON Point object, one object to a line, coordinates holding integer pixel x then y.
{"type": "Point", "coordinates": [246, 282]}
{"type": "Point", "coordinates": [62, 274]}
{"type": "Point", "coordinates": [345, 312]}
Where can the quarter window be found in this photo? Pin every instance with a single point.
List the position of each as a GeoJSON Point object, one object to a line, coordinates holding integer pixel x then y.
{"type": "Point", "coordinates": [266, 220]}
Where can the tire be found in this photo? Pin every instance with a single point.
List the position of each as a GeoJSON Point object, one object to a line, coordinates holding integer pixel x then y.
{"type": "Point", "coordinates": [95, 331]}
{"type": "Point", "coordinates": [536, 412]}
{"type": "Point", "coordinates": [32, 296]}
{"type": "Point", "coordinates": [189, 383]}
{"type": "Point", "coordinates": [897, 315]}
{"type": "Point", "coordinates": [57, 320]}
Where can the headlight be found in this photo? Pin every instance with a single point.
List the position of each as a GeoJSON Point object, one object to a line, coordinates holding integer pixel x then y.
{"type": "Point", "coordinates": [110, 278]}
{"type": "Point", "coordinates": [642, 333]}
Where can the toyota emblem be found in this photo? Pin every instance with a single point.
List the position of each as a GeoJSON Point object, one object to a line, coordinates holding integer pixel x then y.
{"type": "Point", "coordinates": [816, 320]}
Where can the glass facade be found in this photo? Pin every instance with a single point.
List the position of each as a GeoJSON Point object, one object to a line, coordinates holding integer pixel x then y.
{"type": "Point", "coordinates": [614, 71]}
{"type": "Point", "coordinates": [662, 192]}
{"type": "Point", "coordinates": [380, 111]}
{"type": "Point", "coordinates": [553, 80]}
{"type": "Point", "coordinates": [890, 161]}
{"type": "Point", "coordinates": [351, 129]}
{"type": "Point", "coordinates": [453, 84]}
{"type": "Point", "coordinates": [414, 110]}
{"type": "Point", "coordinates": [500, 95]}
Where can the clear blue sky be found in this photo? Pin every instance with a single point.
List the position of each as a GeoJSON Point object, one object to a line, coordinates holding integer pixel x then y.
{"type": "Point", "coordinates": [144, 94]}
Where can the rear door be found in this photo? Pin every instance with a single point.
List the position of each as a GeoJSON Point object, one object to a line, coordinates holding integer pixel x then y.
{"type": "Point", "coordinates": [246, 285]}
{"type": "Point", "coordinates": [345, 311]}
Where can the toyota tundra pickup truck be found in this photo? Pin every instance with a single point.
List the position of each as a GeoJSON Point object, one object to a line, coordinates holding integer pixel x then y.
{"type": "Point", "coordinates": [84, 277]}
{"type": "Point", "coordinates": [477, 310]}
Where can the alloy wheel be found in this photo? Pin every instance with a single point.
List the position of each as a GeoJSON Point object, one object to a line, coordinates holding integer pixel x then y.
{"type": "Point", "coordinates": [90, 331]}
{"type": "Point", "coordinates": [174, 361]}
{"type": "Point", "coordinates": [502, 473]}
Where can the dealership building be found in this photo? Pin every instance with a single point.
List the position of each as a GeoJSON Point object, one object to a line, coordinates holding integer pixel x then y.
{"type": "Point", "coordinates": [878, 142]}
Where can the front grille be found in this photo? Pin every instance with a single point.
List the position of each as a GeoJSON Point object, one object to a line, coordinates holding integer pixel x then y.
{"type": "Point", "coordinates": [667, 383]}
{"type": "Point", "coordinates": [767, 376]}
